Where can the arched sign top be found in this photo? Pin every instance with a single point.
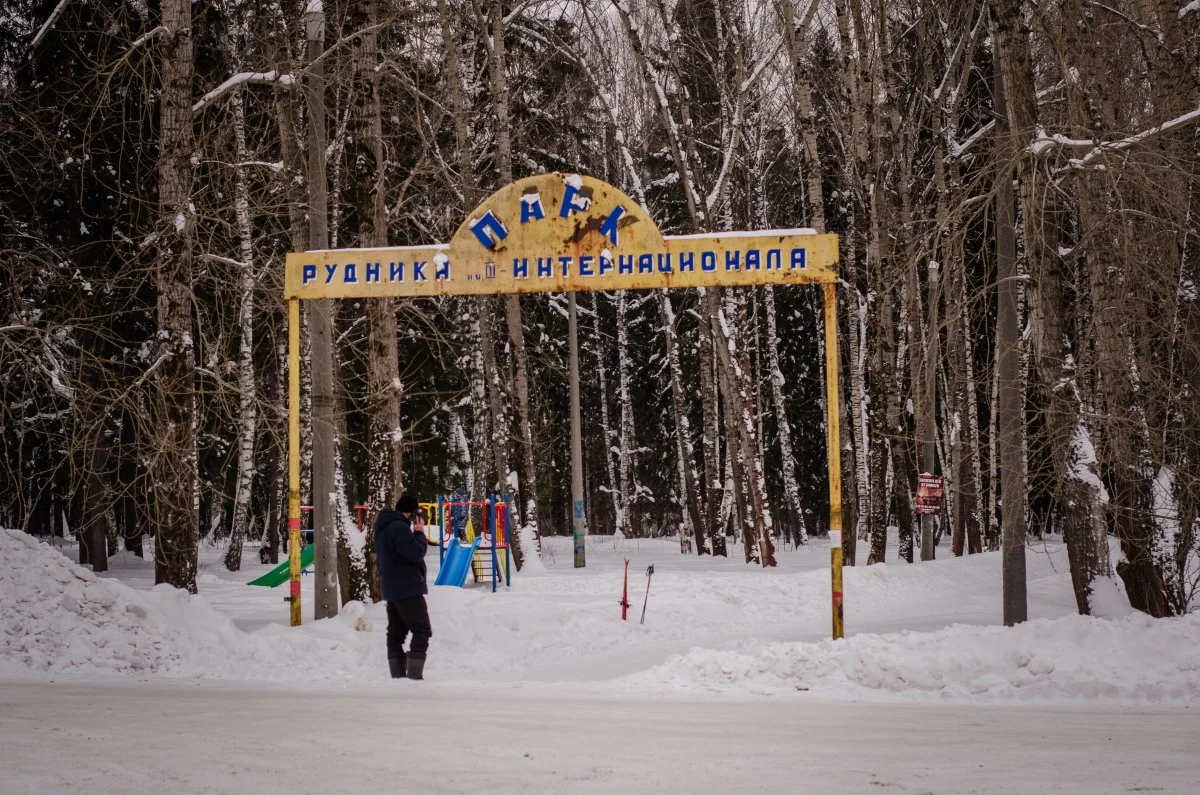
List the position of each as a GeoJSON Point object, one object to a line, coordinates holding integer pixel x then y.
{"type": "Point", "coordinates": [558, 233]}
{"type": "Point", "coordinates": [555, 215]}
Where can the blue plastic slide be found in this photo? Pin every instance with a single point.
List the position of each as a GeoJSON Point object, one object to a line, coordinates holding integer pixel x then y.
{"type": "Point", "coordinates": [457, 563]}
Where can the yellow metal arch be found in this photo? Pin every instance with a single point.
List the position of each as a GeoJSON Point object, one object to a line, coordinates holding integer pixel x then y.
{"type": "Point", "coordinates": [562, 233]}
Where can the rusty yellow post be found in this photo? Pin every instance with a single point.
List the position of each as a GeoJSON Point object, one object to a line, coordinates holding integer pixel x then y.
{"type": "Point", "coordinates": [834, 444]}
{"type": "Point", "coordinates": [294, 457]}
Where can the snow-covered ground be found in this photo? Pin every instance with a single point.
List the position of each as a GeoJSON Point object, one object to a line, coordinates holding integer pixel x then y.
{"type": "Point", "coordinates": [434, 737]}
{"type": "Point", "coordinates": [542, 688]}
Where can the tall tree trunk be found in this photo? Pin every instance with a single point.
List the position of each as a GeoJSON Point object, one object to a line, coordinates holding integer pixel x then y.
{"type": "Point", "coordinates": [1074, 465]}
{"type": "Point", "coordinates": [711, 431]}
{"type": "Point", "coordinates": [857, 91]}
{"type": "Point", "coordinates": [683, 431]}
{"type": "Point", "coordinates": [385, 443]}
{"type": "Point", "coordinates": [1011, 63]}
{"type": "Point", "coordinates": [791, 489]}
{"type": "Point", "coordinates": [247, 403]}
{"type": "Point", "coordinates": [287, 118]}
{"type": "Point", "coordinates": [606, 431]}
{"type": "Point", "coordinates": [173, 467]}
{"type": "Point", "coordinates": [479, 478]}
{"type": "Point", "coordinates": [512, 302]}
{"type": "Point", "coordinates": [625, 435]}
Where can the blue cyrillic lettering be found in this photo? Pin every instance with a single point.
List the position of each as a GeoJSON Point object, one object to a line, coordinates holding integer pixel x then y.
{"type": "Point", "coordinates": [308, 273]}
{"type": "Point", "coordinates": [545, 267]}
{"type": "Point", "coordinates": [708, 261]}
{"type": "Point", "coordinates": [687, 261]}
{"type": "Point", "coordinates": [489, 222]}
{"type": "Point", "coordinates": [520, 268]}
{"type": "Point", "coordinates": [573, 202]}
{"type": "Point", "coordinates": [799, 258]}
{"type": "Point", "coordinates": [609, 227]}
{"type": "Point", "coordinates": [585, 266]}
{"type": "Point", "coordinates": [532, 210]}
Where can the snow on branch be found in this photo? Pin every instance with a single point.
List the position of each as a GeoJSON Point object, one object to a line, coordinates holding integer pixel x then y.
{"type": "Point", "coordinates": [145, 37]}
{"type": "Point", "coordinates": [49, 23]}
{"type": "Point", "coordinates": [1043, 143]}
{"type": "Point", "coordinates": [240, 79]}
{"type": "Point", "coordinates": [957, 150]}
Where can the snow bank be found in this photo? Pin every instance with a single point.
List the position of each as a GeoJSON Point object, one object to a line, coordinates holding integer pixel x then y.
{"type": "Point", "coordinates": [1075, 658]}
{"type": "Point", "coordinates": [58, 617]}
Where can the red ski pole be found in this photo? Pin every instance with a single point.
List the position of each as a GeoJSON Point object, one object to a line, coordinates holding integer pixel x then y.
{"type": "Point", "coordinates": [625, 593]}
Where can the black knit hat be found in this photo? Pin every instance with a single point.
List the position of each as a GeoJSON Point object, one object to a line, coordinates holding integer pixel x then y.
{"type": "Point", "coordinates": [407, 503]}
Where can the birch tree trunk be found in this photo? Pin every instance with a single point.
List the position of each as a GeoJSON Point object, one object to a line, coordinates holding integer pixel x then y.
{"type": "Point", "coordinates": [791, 489]}
{"type": "Point", "coordinates": [710, 432]}
{"type": "Point", "coordinates": [683, 431]}
{"type": "Point", "coordinates": [796, 36]}
{"type": "Point", "coordinates": [857, 89]}
{"type": "Point", "coordinates": [626, 442]}
{"type": "Point", "coordinates": [247, 405]}
{"type": "Point", "coordinates": [606, 431]}
{"type": "Point", "coordinates": [173, 468]}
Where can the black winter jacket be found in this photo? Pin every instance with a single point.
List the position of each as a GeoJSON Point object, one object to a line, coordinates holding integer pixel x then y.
{"type": "Point", "coordinates": [400, 554]}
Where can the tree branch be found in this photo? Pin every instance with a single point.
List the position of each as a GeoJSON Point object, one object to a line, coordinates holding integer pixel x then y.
{"type": "Point", "coordinates": [240, 79]}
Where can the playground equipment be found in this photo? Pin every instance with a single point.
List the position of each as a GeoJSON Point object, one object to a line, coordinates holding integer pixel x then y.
{"type": "Point", "coordinates": [279, 574]}
{"type": "Point", "coordinates": [486, 555]}
{"type": "Point", "coordinates": [456, 563]}
{"type": "Point", "coordinates": [483, 555]}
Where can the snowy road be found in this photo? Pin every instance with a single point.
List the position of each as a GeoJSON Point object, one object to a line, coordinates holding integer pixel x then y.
{"type": "Point", "coordinates": [179, 737]}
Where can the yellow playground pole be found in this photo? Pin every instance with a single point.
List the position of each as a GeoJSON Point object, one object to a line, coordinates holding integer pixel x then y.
{"type": "Point", "coordinates": [834, 443]}
{"type": "Point", "coordinates": [294, 457]}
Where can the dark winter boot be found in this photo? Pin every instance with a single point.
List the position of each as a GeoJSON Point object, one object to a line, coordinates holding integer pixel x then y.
{"type": "Point", "coordinates": [397, 667]}
{"type": "Point", "coordinates": [416, 667]}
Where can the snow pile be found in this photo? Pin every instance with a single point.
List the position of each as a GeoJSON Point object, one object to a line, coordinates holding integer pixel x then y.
{"type": "Point", "coordinates": [1074, 658]}
{"type": "Point", "coordinates": [58, 617]}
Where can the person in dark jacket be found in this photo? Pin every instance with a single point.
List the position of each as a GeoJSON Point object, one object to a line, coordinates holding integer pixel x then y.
{"type": "Point", "coordinates": [400, 554]}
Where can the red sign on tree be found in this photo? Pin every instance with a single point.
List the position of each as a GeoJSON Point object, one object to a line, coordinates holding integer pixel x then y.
{"type": "Point", "coordinates": [929, 493]}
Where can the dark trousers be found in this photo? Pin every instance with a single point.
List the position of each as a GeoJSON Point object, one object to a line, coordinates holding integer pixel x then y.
{"type": "Point", "coordinates": [405, 616]}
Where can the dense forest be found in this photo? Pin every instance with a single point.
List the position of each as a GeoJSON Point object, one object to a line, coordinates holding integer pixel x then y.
{"type": "Point", "coordinates": [1014, 186]}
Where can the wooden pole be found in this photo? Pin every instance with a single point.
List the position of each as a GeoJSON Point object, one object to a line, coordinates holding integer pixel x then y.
{"type": "Point", "coordinates": [294, 457]}
{"type": "Point", "coordinates": [325, 591]}
{"type": "Point", "coordinates": [834, 441]}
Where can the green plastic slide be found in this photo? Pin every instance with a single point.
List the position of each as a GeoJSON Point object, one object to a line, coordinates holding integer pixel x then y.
{"type": "Point", "coordinates": [279, 574]}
